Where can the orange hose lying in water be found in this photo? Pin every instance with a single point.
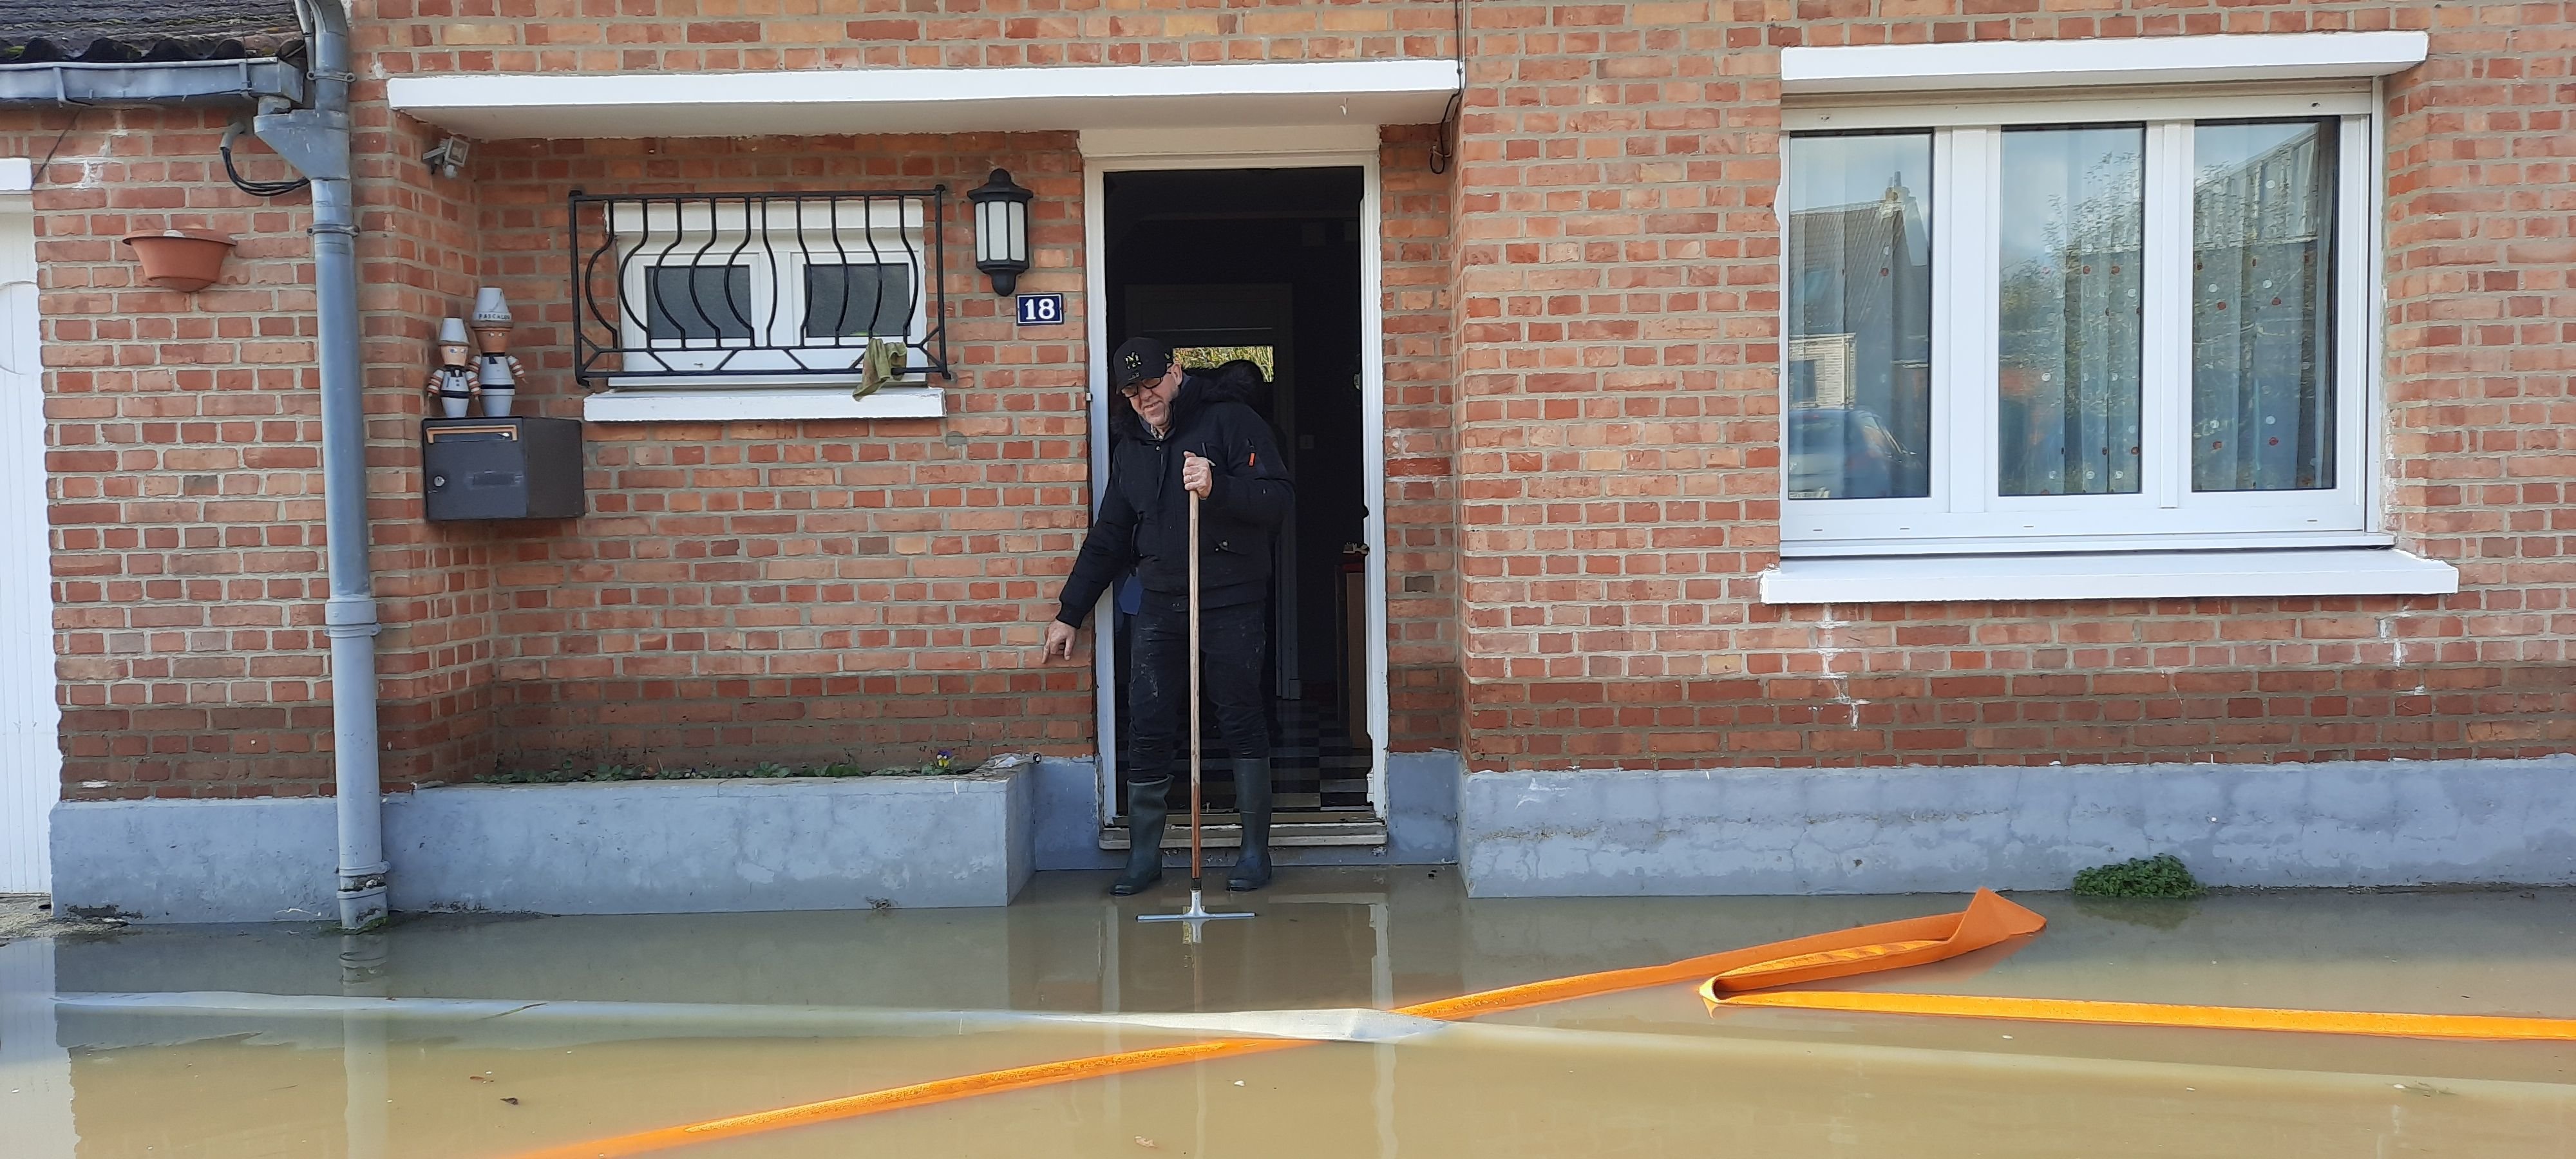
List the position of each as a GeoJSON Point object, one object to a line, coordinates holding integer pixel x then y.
{"type": "Point", "coordinates": [2390, 1025]}
{"type": "Point", "coordinates": [937, 1091]}
{"type": "Point", "coordinates": [1987, 920]}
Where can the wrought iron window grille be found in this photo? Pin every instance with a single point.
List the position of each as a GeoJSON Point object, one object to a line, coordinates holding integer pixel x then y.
{"type": "Point", "coordinates": [719, 289]}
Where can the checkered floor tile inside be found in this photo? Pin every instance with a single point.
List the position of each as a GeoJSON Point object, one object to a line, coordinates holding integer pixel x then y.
{"type": "Point", "coordinates": [1316, 764]}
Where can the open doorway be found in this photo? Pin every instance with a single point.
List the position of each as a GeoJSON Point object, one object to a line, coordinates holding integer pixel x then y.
{"type": "Point", "coordinates": [1265, 266]}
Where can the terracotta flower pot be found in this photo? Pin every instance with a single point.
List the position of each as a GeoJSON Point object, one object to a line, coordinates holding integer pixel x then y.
{"type": "Point", "coordinates": [186, 260]}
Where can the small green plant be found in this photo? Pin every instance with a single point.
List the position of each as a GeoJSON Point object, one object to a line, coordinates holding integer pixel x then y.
{"type": "Point", "coordinates": [2162, 875]}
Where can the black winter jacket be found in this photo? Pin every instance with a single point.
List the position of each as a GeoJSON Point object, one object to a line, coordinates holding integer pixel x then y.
{"type": "Point", "coordinates": [1144, 515]}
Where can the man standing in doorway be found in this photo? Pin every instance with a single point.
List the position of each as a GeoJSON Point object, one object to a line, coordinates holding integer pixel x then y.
{"type": "Point", "coordinates": [1181, 435]}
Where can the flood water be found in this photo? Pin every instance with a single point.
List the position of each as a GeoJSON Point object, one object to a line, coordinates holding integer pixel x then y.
{"type": "Point", "coordinates": [495, 1036]}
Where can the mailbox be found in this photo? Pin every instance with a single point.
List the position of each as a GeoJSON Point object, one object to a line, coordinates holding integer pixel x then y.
{"type": "Point", "coordinates": [502, 468]}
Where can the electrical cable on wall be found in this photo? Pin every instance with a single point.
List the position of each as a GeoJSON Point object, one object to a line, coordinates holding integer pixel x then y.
{"type": "Point", "coordinates": [254, 188]}
{"type": "Point", "coordinates": [58, 139]}
{"type": "Point", "coordinates": [1444, 150]}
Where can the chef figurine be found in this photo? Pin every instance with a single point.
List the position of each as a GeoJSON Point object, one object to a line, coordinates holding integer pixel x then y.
{"type": "Point", "coordinates": [498, 378]}
{"type": "Point", "coordinates": [453, 381]}
{"type": "Point", "coordinates": [499, 373]}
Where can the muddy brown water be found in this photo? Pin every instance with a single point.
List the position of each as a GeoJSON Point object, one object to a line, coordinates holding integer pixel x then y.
{"type": "Point", "coordinates": [489, 1036]}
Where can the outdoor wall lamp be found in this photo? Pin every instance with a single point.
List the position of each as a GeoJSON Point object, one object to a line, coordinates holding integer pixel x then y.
{"type": "Point", "coordinates": [1001, 229]}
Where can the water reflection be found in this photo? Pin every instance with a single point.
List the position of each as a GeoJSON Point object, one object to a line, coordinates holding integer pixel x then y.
{"type": "Point", "coordinates": [488, 1036]}
{"type": "Point", "coordinates": [35, 1069]}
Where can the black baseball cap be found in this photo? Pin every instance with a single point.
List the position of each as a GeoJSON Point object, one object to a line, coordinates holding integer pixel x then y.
{"type": "Point", "coordinates": [1137, 360]}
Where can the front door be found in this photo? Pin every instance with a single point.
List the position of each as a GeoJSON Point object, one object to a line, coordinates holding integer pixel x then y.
{"type": "Point", "coordinates": [1260, 269]}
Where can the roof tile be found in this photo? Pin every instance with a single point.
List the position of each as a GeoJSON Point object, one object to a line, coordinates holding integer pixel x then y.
{"type": "Point", "coordinates": [146, 31]}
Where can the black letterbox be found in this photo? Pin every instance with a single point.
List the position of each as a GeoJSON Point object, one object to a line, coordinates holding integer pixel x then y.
{"type": "Point", "coordinates": [502, 468]}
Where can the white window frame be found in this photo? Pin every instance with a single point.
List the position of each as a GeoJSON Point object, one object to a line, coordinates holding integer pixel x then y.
{"type": "Point", "coordinates": [777, 272]}
{"type": "Point", "coordinates": [1965, 512]}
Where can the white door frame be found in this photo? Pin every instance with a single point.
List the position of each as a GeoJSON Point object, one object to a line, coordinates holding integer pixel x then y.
{"type": "Point", "coordinates": [1331, 147]}
{"type": "Point", "coordinates": [31, 759]}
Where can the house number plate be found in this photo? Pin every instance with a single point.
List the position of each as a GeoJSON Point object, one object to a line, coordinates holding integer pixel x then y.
{"type": "Point", "coordinates": [1041, 309]}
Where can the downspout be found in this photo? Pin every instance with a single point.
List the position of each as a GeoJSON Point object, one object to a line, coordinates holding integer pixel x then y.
{"type": "Point", "coordinates": [316, 141]}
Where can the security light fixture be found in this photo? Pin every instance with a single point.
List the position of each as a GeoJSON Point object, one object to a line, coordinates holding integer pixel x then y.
{"type": "Point", "coordinates": [1001, 229]}
{"type": "Point", "coordinates": [447, 158]}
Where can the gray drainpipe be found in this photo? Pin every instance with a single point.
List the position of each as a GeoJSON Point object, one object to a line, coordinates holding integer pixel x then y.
{"type": "Point", "coordinates": [316, 141]}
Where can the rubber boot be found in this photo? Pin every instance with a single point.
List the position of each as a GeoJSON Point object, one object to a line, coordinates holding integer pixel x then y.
{"type": "Point", "coordinates": [1147, 808]}
{"type": "Point", "coordinates": [1252, 800]}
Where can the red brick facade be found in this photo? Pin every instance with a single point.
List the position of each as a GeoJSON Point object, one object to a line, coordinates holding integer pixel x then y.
{"type": "Point", "coordinates": [1582, 345]}
{"type": "Point", "coordinates": [185, 463]}
{"type": "Point", "coordinates": [800, 591]}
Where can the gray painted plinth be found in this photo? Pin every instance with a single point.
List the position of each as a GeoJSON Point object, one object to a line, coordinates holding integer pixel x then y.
{"type": "Point", "coordinates": [714, 846]}
{"type": "Point", "coordinates": [604, 848]}
{"type": "Point", "coordinates": [269, 859]}
{"type": "Point", "coordinates": [1910, 830]}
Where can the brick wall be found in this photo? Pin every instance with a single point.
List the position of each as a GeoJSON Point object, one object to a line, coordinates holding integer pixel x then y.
{"type": "Point", "coordinates": [186, 464]}
{"type": "Point", "coordinates": [928, 643]}
{"type": "Point", "coordinates": [802, 591]}
{"type": "Point", "coordinates": [742, 592]}
{"type": "Point", "coordinates": [1618, 462]}
{"type": "Point", "coordinates": [420, 254]}
{"type": "Point", "coordinates": [184, 472]}
{"type": "Point", "coordinates": [1582, 429]}
{"type": "Point", "coordinates": [1419, 270]}
{"type": "Point", "coordinates": [875, 590]}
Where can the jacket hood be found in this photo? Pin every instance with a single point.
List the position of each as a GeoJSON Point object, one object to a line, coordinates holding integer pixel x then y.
{"type": "Point", "coordinates": [1198, 392]}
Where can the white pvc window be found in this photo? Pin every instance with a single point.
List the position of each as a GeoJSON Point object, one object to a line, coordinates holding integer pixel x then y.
{"type": "Point", "coordinates": [2076, 324]}
{"type": "Point", "coordinates": [756, 296]}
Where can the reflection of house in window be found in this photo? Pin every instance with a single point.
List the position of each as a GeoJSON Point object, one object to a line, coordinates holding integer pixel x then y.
{"type": "Point", "coordinates": [2271, 197]}
{"type": "Point", "coordinates": [2069, 335]}
{"type": "Point", "coordinates": [1820, 370]}
{"type": "Point", "coordinates": [1861, 318]}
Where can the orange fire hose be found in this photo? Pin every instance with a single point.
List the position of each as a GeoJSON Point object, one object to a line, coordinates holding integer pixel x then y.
{"type": "Point", "coordinates": [936, 1091]}
{"type": "Point", "coordinates": [2389, 1025]}
{"type": "Point", "coordinates": [1987, 920]}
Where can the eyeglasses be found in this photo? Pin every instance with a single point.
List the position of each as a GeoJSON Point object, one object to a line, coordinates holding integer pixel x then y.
{"type": "Point", "coordinates": [1133, 389]}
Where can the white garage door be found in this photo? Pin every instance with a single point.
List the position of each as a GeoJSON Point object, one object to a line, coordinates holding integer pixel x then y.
{"type": "Point", "coordinates": [30, 759]}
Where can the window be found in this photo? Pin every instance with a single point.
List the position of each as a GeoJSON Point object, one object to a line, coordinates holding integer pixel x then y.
{"type": "Point", "coordinates": [691, 305]}
{"type": "Point", "coordinates": [697, 303]}
{"type": "Point", "coordinates": [857, 301]}
{"type": "Point", "coordinates": [754, 291]}
{"type": "Point", "coordinates": [2017, 326]}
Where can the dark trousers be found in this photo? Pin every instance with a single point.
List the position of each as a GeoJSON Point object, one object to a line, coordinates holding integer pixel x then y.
{"type": "Point", "coordinates": [1233, 646]}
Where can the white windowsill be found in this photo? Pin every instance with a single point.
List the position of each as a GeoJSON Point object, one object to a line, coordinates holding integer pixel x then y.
{"type": "Point", "coordinates": [2342, 571]}
{"type": "Point", "coordinates": [2023, 64]}
{"type": "Point", "coordinates": [761, 405]}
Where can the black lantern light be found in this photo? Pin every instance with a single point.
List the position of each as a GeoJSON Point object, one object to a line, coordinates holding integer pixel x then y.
{"type": "Point", "coordinates": [1001, 229]}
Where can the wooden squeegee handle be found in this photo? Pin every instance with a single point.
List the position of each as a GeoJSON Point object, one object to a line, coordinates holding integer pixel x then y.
{"type": "Point", "coordinates": [1194, 693]}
